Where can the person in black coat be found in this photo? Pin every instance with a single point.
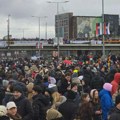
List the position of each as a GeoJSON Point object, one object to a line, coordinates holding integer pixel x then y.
{"type": "Point", "coordinates": [110, 75]}
{"type": "Point", "coordinates": [24, 106]}
{"type": "Point", "coordinates": [97, 81]}
{"type": "Point", "coordinates": [2, 93]}
{"type": "Point", "coordinates": [69, 108]}
{"type": "Point", "coordinates": [115, 113]}
{"type": "Point", "coordinates": [65, 84]}
{"type": "Point", "coordinates": [40, 103]}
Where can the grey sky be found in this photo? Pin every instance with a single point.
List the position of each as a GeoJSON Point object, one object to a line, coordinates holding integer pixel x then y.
{"type": "Point", "coordinates": [22, 10]}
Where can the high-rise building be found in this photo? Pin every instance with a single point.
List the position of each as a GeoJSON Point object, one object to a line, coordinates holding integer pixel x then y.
{"type": "Point", "coordinates": [63, 25]}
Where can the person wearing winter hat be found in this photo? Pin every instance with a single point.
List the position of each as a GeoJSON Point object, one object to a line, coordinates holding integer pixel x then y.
{"type": "Point", "coordinates": [74, 88]}
{"type": "Point", "coordinates": [69, 108]}
{"type": "Point", "coordinates": [106, 100]}
{"type": "Point", "coordinates": [23, 104]}
{"type": "Point", "coordinates": [115, 83]}
{"type": "Point", "coordinates": [108, 87]}
{"type": "Point", "coordinates": [17, 89]}
{"type": "Point", "coordinates": [40, 103]}
{"type": "Point", "coordinates": [3, 113]}
{"type": "Point", "coordinates": [115, 113]}
{"type": "Point", "coordinates": [12, 111]}
{"type": "Point", "coordinates": [10, 105]}
{"type": "Point", "coordinates": [92, 92]}
{"type": "Point", "coordinates": [53, 114]}
{"type": "Point", "coordinates": [51, 80]}
{"type": "Point", "coordinates": [97, 112]}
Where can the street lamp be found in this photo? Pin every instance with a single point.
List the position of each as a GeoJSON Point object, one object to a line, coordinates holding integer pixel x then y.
{"type": "Point", "coordinates": [46, 28]}
{"type": "Point", "coordinates": [58, 23]}
{"type": "Point", "coordinates": [8, 30]}
{"type": "Point", "coordinates": [39, 19]}
{"type": "Point", "coordinates": [103, 37]}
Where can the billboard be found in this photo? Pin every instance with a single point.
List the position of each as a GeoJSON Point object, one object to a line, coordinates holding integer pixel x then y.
{"type": "Point", "coordinates": [86, 26]}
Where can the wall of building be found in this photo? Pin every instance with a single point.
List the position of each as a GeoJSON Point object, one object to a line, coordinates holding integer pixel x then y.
{"type": "Point", "coordinates": [62, 25]}
{"type": "Point", "coordinates": [73, 27]}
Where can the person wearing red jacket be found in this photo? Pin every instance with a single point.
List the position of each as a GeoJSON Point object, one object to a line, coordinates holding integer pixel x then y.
{"type": "Point", "coordinates": [115, 83]}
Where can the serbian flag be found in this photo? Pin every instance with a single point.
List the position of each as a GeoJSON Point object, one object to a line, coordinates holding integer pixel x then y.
{"type": "Point", "coordinates": [106, 28]}
{"type": "Point", "coordinates": [98, 29]}
{"type": "Point", "coordinates": [39, 45]}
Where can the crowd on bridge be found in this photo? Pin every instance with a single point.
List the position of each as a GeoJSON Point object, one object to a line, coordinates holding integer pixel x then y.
{"type": "Point", "coordinates": [73, 88]}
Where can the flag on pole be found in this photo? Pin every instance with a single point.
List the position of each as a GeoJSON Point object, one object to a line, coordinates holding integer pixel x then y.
{"type": "Point", "coordinates": [39, 45]}
{"type": "Point", "coordinates": [106, 28]}
{"type": "Point", "coordinates": [99, 29]}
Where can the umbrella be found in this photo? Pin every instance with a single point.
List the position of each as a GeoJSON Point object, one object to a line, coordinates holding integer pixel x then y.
{"type": "Point", "coordinates": [67, 62]}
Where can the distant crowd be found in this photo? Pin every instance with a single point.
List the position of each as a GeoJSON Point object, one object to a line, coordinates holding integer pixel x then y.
{"type": "Point", "coordinates": [73, 88]}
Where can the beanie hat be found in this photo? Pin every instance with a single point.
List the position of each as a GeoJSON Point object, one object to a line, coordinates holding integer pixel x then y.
{"type": "Point", "coordinates": [92, 92]}
{"type": "Point", "coordinates": [53, 114]}
{"type": "Point", "coordinates": [5, 83]}
{"type": "Point", "coordinates": [3, 110]}
{"type": "Point", "coordinates": [107, 86]}
{"type": "Point", "coordinates": [117, 100]}
{"type": "Point", "coordinates": [11, 105]}
{"type": "Point", "coordinates": [18, 88]}
{"type": "Point", "coordinates": [71, 95]}
{"type": "Point", "coordinates": [52, 80]}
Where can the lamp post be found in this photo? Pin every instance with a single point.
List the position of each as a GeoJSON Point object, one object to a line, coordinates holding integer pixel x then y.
{"type": "Point", "coordinates": [39, 19]}
{"type": "Point", "coordinates": [103, 37]}
{"type": "Point", "coordinates": [8, 30]}
{"type": "Point", "coordinates": [46, 28]}
{"type": "Point", "coordinates": [58, 24]}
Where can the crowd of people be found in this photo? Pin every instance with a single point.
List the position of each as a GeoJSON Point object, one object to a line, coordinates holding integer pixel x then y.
{"type": "Point", "coordinates": [85, 88]}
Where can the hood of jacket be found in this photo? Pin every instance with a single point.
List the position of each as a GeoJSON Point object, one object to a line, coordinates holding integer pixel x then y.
{"type": "Point", "coordinates": [42, 98]}
{"type": "Point", "coordinates": [117, 77]}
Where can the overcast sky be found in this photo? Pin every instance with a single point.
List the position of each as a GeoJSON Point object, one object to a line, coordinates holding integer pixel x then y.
{"type": "Point", "coordinates": [23, 24]}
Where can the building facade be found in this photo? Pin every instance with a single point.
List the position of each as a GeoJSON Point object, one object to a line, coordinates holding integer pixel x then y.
{"type": "Point", "coordinates": [83, 27]}
{"type": "Point", "coordinates": [114, 23]}
{"type": "Point", "coordinates": [63, 25]}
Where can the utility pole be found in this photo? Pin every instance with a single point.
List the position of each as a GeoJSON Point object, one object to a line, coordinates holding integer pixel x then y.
{"type": "Point", "coordinates": [8, 31]}
{"type": "Point", "coordinates": [58, 46]}
{"type": "Point", "coordinates": [39, 20]}
{"type": "Point", "coordinates": [103, 37]}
